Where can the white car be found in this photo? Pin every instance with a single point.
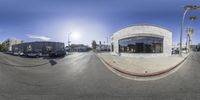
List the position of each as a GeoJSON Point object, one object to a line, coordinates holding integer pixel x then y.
{"type": "Point", "coordinates": [21, 54]}
{"type": "Point", "coordinates": [16, 53]}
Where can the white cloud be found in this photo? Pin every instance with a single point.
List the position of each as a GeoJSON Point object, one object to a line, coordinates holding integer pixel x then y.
{"type": "Point", "coordinates": [44, 38]}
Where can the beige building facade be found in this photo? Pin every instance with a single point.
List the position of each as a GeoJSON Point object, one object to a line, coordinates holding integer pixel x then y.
{"type": "Point", "coordinates": [10, 42]}
{"type": "Point", "coordinates": [142, 41]}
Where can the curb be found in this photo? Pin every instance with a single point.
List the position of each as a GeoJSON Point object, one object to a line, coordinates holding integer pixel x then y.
{"type": "Point", "coordinates": [141, 74]}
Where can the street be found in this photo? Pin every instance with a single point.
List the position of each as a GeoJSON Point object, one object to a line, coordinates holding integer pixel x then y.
{"type": "Point", "coordinates": [83, 76]}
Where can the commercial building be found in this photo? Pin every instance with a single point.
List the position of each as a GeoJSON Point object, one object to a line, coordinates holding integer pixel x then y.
{"type": "Point", "coordinates": [43, 47]}
{"type": "Point", "coordinates": [10, 42]}
{"type": "Point", "coordinates": [79, 48]}
{"type": "Point", "coordinates": [142, 41]}
{"type": "Point", "coordinates": [103, 47]}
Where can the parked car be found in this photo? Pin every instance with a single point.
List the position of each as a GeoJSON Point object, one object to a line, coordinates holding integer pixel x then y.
{"type": "Point", "coordinates": [184, 51]}
{"type": "Point", "coordinates": [16, 53]}
{"type": "Point", "coordinates": [9, 52]}
{"type": "Point", "coordinates": [33, 54]}
{"type": "Point", "coordinates": [175, 51]}
{"type": "Point", "coordinates": [67, 53]}
{"type": "Point", "coordinates": [21, 54]}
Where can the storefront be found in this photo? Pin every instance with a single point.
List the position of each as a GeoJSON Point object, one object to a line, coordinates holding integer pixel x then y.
{"type": "Point", "coordinates": [142, 41]}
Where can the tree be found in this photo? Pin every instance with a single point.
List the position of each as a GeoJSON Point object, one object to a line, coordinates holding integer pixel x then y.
{"type": "Point", "coordinates": [0, 47]}
{"type": "Point", "coordinates": [94, 44]}
{"type": "Point", "coordinates": [3, 47]}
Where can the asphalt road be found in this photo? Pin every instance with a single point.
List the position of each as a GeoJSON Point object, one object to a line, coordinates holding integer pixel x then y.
{"type": "Point", "coordinates": [82, 76]}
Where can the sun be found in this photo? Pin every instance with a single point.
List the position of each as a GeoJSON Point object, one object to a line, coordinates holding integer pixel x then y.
{"type": "Point", "coordinates": [76, 35]}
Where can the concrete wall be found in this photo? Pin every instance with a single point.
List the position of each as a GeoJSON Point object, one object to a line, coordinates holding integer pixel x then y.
{"type": "Point", "coordinates": [143, 30]}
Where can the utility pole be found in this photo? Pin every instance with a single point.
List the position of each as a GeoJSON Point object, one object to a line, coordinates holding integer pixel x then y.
{"type": "Point", "coordinates": [69, 48]}
{"type": "Point", "coordinates": [107, 43]}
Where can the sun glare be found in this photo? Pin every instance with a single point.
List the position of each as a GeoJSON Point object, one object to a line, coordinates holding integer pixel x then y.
{"type": "Point", "coordinates": [76, 35]}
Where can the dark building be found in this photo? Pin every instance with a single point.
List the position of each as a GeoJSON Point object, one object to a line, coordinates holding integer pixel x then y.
{"type": "Point", "coordinates": [43, 47]}
{"type": "Point", "coordinates": [195, 47]}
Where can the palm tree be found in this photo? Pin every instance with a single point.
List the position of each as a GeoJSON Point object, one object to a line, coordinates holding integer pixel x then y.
{"type": "Point", "coordinates": [190, 30]}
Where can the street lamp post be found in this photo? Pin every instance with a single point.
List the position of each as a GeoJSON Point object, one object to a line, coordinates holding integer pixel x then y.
{"type": "Point", "coordinates": [187, 8]}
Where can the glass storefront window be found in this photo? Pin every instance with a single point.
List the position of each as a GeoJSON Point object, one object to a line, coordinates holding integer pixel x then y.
{"type": "Point", "coordinates": [141, 44]}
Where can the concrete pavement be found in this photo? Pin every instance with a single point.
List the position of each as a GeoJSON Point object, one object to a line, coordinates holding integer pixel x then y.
{"type": "Point", "coordinates": [84, 77]}
{"type": "Point", "coordinates": [142, 67]}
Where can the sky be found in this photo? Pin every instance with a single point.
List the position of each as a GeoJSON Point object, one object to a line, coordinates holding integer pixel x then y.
{"type": "Point", "coordinates": [87, 20]}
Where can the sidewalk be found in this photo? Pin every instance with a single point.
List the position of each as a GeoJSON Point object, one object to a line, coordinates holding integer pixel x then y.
{"type": "Point", "coordinates": [142, 67]}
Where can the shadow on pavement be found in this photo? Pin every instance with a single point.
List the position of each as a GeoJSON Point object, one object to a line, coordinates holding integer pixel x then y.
{"type": "Point", "coordinates": [56, 57]}
{"type": "Point", "coordinates": [52, 62]}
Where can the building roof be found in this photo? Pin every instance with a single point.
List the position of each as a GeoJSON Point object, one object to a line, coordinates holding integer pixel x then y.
{"type": "Point", "coordinates": [142, 25]}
